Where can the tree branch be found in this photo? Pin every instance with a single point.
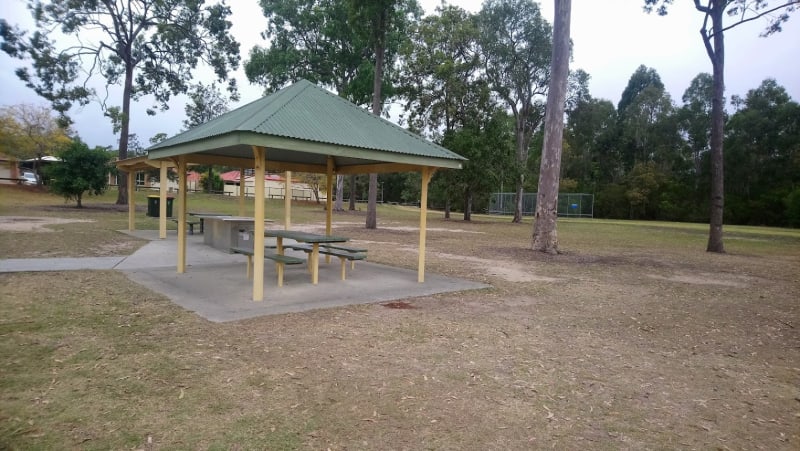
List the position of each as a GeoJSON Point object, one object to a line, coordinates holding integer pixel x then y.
{"type": "Point", "coordinates": [757, 16]}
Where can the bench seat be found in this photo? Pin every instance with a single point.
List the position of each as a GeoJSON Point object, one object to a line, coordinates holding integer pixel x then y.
{"type": "Point", "coordinates": [191, 223]}
{"type": "Point", "coordinates": [344, 256]}
{"type": "Point", "coordinates": [279, 260]}
{"type": "Point", "coordinates": [344, 248]}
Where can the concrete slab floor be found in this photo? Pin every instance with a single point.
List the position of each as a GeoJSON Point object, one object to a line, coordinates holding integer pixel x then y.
{"type": "Point", "coordinates": [216, 287]}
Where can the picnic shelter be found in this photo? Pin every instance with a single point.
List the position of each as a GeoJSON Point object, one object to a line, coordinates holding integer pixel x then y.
{"type": "Point", "coordinates": [301, 128]}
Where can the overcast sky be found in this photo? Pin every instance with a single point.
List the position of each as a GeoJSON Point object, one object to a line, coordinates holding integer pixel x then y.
{"type": "Point", "coordinates": [611, 39]}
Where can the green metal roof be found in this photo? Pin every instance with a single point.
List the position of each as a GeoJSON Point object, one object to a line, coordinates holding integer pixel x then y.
{"type": "Point", "coordinates": [303, 123]}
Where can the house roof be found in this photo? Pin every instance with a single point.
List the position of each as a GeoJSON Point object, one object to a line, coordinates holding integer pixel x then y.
{"type": "Point", "coordinates": [234, 176]}
{"type": "Point", "coordinates": [300, 126]}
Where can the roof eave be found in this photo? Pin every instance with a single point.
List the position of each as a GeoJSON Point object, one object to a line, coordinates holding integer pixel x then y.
{"type": "Point", "coordinates": [239, 138]}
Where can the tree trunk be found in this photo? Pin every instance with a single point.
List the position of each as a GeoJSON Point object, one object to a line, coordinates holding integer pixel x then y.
{"type": "Point", "coordinates": [717, 56]}
{"type": "Point", "coordinates": [352, 206]}
{"type": "Point", "coordinates": [468, 206]}
{"type": "Point", "coordinates": [372, 204]}
{"type": "Point", "coordinates": [122, 182]}
{"type": "Point", "coordinates": [522, 162]}
{"type": "Point", "coordinates": [447, 208]}
{"type": "Point", "coordinates": [372, 195]}
{"type": "Point", "coordinates": [338, 205]}
{"type": "Point", "coordinates": [545, 236]}
{"type": "Point", "coordinates": [518, 200]}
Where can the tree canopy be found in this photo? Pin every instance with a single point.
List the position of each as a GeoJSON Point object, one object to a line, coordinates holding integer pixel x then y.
{"type": "Point", "coordinates": [149, 47]}
{"type": "Point", "coordinates": [80, 171]}
{"type": "Point", "coordinates": [713, 37]}
{"type": "Point", "coordinates": [30, 131]}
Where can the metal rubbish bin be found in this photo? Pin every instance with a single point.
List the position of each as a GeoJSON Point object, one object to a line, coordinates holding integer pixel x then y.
{"type": "Point", "coordinates": [153, 206]}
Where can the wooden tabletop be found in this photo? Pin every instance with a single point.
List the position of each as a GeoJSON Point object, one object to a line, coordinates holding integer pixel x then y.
{"type": "Point", "coordinates": [305, 237]}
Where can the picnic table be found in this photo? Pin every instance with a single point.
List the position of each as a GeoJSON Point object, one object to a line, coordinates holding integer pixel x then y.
{"type": "Point", "coordinates": [304, 237]}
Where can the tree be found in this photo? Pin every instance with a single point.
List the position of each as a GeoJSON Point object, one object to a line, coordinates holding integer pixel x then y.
{"type": "Point", "coordinates": [80, 170]}
{"type": "Point", "coordinates": [147, 46]}
{"type": "Point", "coordinates": [30, 131]}
{"type": "Point", "coordinates": [545, 236]}
{"type": "Point", "coordinates": [695, 118]}
{"type": "Point", "coordinates": [648, 129]}
{"type": "Point", "coordinates": [314, 40]}
{"type": "Point", "coordinates": [381, 20]}
{"type": "Point", "coordinates": [441, 67]}
{"type": "Point", "coordinates": [762, 156]}
{"type": "Point", "coordinates": [315, 182]}
{"type": "Point", "coordinates": [206, 103]}
{"type": "Point", "coordinates": [449, 100]}
{"type": "Point", "coordinates": [592, 133]}
{"type": "Point", "coordinates": [516, 48]}
{"type": "Point", "coordinates": [487, 142]}
{"type": "Point", "coordinates": [642, 78]}
{"type": "Point", "coordinates": [714, 41]}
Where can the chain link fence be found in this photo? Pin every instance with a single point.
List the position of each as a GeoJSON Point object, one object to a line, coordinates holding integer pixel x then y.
{"type": "Point", "coordinates": [576, 205]}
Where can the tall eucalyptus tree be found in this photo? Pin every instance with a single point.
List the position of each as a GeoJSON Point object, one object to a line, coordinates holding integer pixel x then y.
{"type": "Point", "coordinates": [545, 234]}
{"type": "Point", "coordinates": [713, 36]}
{"type": "Point", "coordinates": [516, 44]}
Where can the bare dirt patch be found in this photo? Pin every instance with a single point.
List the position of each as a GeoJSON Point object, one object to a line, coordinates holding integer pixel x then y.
{"type": "Point", "coordinates": [704, 279]}
{"type": "Point", "coordinates": [33, 224]}
{"type": "Point", "coordinates": [402, 305]}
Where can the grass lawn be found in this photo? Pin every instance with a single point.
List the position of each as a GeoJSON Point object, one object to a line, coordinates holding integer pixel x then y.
{"type": "Point", "coordinates": [633, 338]}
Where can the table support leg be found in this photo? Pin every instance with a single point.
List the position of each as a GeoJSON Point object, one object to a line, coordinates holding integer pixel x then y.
{"type": "Point", "coordinates": [315, 263]}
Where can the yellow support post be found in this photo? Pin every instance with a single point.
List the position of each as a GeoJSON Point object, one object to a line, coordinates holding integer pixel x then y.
{"type": "Point", "coordinates": [131, 200]}
{"type": "Point", "coordinates": [329, 197]}
{"type": "Point", "coordinates": [329, 202]}
{"type": "Point", "coordinates": [423, 222]}
{"type": "Point", "coordinates": [260, 154]}
{"type": "Point", "coordinates": [182, 214]}
{"type": "Point", "coordinates": [287, 200]}
{"type": "Point", "coordinates": [241, 192]}
{"type": "Point", "coordinates": [162, 198]}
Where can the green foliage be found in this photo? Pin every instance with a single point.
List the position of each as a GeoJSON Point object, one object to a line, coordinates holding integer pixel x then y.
{"type": "Point", "coordinates": [611, 202]}
{"type": "Point", "coordinates": [762, 155]}
{"type": "Point", "coordinates": [644, 183]}
{"type": "Point", "coordinates": [441, 75]}
{"type": "Point", "coordinates": [317, 40]}
{"type": "Point", "coordinates": [742, 10]}
{"type": "Point", "coordinates": [30, 131]}
{"type": "Point", "coordinates": [792, 205]}
{"type": "Point", "coordinates": [205, 103]}
{"type": "Point", "coordinates": [217, 184]}
{"type": "Point", "coordinates": [642, 78]}
{"type": "Point", "coordinates": [80, 170]}
{"type": "Point", "coordinates": [592, 156]}
{"type": "Point", "coordinates": [148, 47]}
